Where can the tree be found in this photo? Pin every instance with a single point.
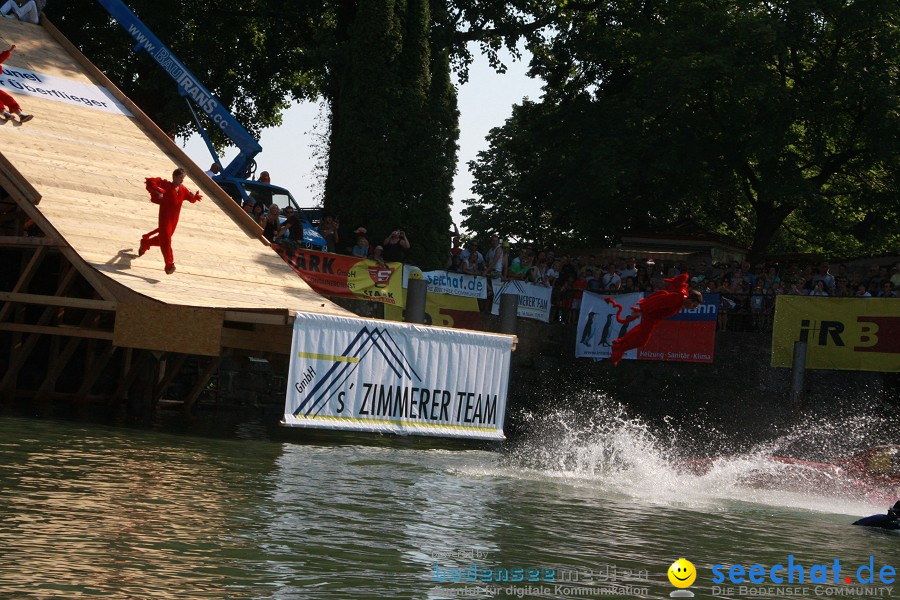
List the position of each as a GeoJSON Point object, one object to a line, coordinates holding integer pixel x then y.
{"type": "Point", "coordinates": [745, 114]}
{"type": "Point", "coordinates": [383, 66]}
{"type": "Point", "coordinates": [248, 57]}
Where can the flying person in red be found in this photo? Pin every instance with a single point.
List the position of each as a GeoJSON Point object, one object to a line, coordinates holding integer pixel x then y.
{"type": "Point", "coordinates": [654, 308]}
{"type": "Point", "coordinates": [169, 195]}
{"type": "Point", "coordinates": [8, 103]}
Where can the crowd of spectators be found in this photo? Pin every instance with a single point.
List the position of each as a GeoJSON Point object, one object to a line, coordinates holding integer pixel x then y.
{"type": "Point", "coordinates": [747, 291]}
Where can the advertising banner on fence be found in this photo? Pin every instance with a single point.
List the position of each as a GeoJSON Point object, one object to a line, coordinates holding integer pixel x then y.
{"type": "Point", "coordinates": [346, 276]}
{"type": "Point", "coordinates": [689, 336]}
{"type": "Point", "coordinates": [597, 325]}
{"type": "Point", "coordinates": [857, 334]}
{"type": "Point", "coordinates": [363, 375]}
{"type": "Point", "coordinates": [534, 300]}
{"type": "Point", "coordinates": [443, 310]}
{"type": "Point", "coordinates": [454, 284]}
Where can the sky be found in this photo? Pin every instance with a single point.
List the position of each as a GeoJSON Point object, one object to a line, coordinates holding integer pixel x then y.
{"type": "Point", "coordinates": [289, 151]}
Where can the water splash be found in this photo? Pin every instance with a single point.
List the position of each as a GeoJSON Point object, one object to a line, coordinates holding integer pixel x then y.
{"type": "Point", "coordinates": [695, 465]}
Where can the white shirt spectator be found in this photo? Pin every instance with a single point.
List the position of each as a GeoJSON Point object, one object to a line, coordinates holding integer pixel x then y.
{"type": "Point", "coordinates": [612, 281]}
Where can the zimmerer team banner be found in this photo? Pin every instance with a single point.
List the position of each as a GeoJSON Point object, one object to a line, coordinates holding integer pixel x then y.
{"type": "Point", "coordinates": [534, 300]}
{"type": "Point", "coordinates": [346, 276]}
{"type": "Point", "coordinates": [366, 375]}
{"type": "Point", "coordinates": [689, 336]}
{"type": "Point", "coordinates": [859, 334]}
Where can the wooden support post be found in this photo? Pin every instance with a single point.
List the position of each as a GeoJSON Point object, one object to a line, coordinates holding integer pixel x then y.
{"type": "Point", "coordinates": [60, 361]}
{"type": "Point", "coordinates": [21, 355]}
{"type": "Point", "coordinates": [200, 385]}
{"type": "Point", "coordinates": [25, 278]}
{"type": "Point", "coordinates": [129, 374]}
{"type": "Point", "coordinates": [172, 371]}
{"type": "Point", "coordinates": [93, 373]}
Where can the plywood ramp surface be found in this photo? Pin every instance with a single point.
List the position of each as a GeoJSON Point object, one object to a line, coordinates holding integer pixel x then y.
{"type": "Point", "coordinates": [89, 166]}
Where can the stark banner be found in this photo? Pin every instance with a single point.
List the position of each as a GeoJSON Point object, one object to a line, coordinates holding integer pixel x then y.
{"type": "Point", "coordinates": [689, 336]}
{"type": "Point", "coordinates": [346, 276]}
{"type": "Point", "coordinates": [365, 375]}
{"type": "Point", "coordinates": [856, 334]}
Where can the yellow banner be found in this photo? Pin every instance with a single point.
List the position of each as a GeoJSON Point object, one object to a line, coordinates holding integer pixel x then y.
{"type": "Point", "coordinates": [443, 310]}
{"type": "Point", "coordinates": [857, 334]}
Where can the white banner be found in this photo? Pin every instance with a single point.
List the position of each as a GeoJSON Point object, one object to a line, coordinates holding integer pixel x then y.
{"type": "Point", "coordinates": [29, 83]}
{"type": "Point", "coordinates": [597, 325]}
{"type": "Point", "coordinates": [534, 300]}
{"type": "Point", "coordinates": [365, 375]}
{"type": "Point", "coordinates": [454, 284]}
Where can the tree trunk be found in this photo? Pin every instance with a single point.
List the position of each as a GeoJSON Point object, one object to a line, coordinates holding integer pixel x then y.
{"type": "Point", "coordinates": [768, 221]}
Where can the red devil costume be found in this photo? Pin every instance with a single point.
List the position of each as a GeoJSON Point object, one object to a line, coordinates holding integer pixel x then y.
{"type": "Point", "coordinates": [7, 101]}
{"type": "Point", "coordinates": [169, 195]}
{"type": "Point", "coordinates": [653, 309]}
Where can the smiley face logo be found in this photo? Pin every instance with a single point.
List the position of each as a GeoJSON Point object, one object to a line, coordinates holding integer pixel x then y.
{"type": "Point", "coordinates": [682, 573]}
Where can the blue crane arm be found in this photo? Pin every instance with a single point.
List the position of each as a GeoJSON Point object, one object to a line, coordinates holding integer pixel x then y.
{"type": "Point", "coordinates": [188, 86]}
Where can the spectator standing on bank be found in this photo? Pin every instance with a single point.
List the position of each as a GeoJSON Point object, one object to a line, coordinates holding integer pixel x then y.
{"type": "Point", "coordinates": [378, 255]}
{"type": "Point", "coordinates": [362, 249]}
{"type": "Point", "coordinates": [887, 290]}
{"type": "Point", "coordinates": [329, 229]}
{"type": "Point", "coordinates": [818, 289]}
{"type": "Point", "coordinates": [396, 245]}
{"type": "Point", "coordinates": [214, 170]}
{"type": "Point", "coordinates": [494, 264]}
{"type": "Point", "coordinates": [273, 222]}
{"type": "Point", "coordinates": [290, 233]}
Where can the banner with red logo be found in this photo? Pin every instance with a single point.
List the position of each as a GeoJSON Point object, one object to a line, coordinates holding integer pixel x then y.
{"type": "Point", "coordinates": [347, 276]}
{"type": "Point", "coordinates": [856, 334]}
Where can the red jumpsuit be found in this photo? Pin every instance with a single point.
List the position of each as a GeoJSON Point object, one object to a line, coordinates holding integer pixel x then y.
{"type": "Point", "coordinates": [654, 308]}
{"type": "Point", "coordinates": [5, 99]}
{"type": "Point", "coordinates": [169, 210]}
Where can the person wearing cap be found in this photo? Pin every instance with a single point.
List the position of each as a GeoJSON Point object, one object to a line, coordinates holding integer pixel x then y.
{"type": "Point", "coordinates": [378, 255]}
{"type": "Point", "coordinates": [889, 521]}
{"type": "Point", "coordinates": [362, 249]}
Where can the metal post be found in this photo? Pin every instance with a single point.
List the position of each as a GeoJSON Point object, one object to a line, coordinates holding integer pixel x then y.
{"type": "Point", "coordinates": [415, 300]}
{"type": "Point", "coordinates": [798, 370]}
{"type": "Point", "coordinates": [509, 307]}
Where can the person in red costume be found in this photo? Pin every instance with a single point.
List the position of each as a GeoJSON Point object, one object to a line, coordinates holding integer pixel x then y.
{"type": "Point", "coordinates": [9, 104]}
{"type": "Point", "coordinates": [654, 308]}
{"type": "Point", "coordinates": [169, 195]}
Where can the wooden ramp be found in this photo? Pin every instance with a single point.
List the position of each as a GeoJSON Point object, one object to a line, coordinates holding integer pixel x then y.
{"type": "Point", "coordinates": [74, 209]}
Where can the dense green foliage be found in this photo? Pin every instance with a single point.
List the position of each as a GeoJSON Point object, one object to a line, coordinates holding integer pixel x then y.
{"type": "Point", "coordinates": [383, 66]}
{"type": "Point", "coordinates": [776, 122]}
{"type": "Point", "coordinates": [239, 51]}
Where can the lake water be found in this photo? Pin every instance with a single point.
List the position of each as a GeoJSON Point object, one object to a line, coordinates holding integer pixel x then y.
{"type": "Point", "coordinates": [584, 508]}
